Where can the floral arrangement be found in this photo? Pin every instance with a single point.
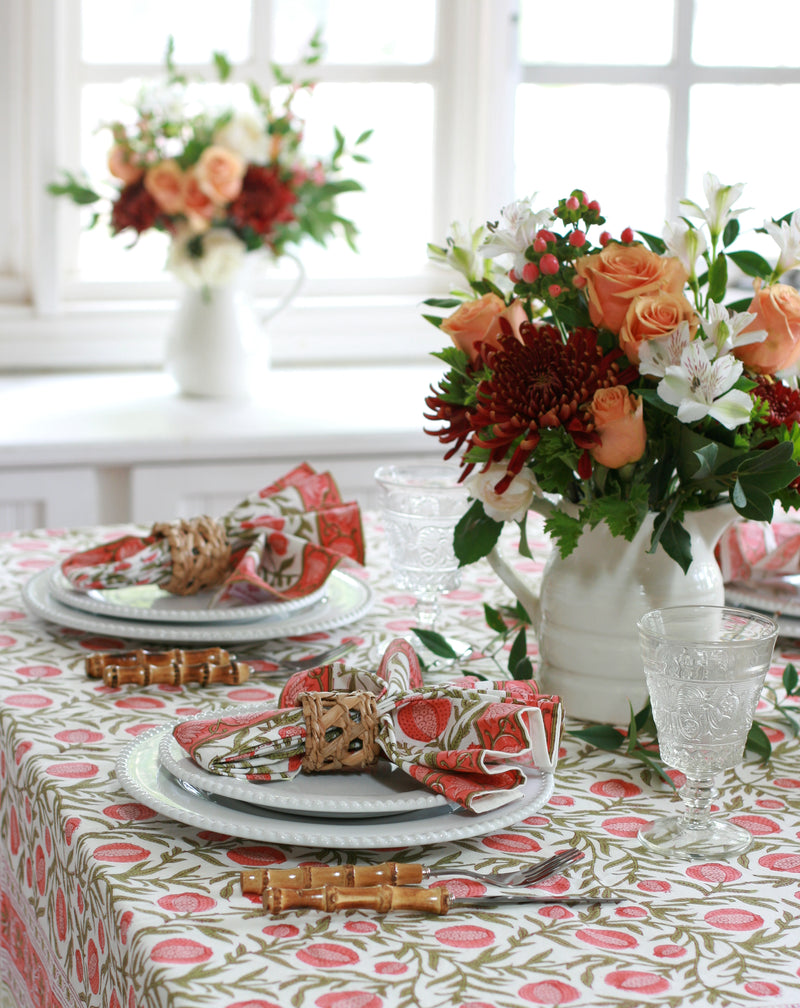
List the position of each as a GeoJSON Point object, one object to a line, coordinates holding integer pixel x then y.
{"type": "Point", "coordinates": [221, 181]}
{"type": "Point", "coordinates": [599, 380]}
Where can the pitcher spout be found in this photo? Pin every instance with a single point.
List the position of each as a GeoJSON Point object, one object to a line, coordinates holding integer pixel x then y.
{"type": "Point", "coordinates": [710, 523]}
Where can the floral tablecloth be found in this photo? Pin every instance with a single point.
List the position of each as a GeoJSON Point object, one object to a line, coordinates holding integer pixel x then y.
{"type": "Point", "coordinates": [106, 903]}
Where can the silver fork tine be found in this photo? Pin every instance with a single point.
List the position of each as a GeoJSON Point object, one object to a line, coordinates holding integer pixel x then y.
{"type": "Point", "coordinates": [545, 870]}
{"type": "Point", "coordinates": [534, 873]}
{"type": "Point", "coordinates": [321, 659]}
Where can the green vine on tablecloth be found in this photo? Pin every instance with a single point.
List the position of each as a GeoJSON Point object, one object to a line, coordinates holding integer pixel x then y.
{"type": "Point", "coordinates": [639, 741]}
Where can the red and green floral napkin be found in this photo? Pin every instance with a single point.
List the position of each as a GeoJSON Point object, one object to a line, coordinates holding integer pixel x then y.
{"type": "Point", "coordinates": [285, 541]}
{"type": "Point", "coordinates": [470, 740]}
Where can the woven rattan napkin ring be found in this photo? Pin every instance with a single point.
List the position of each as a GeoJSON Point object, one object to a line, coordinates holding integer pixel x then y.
{"type": "Point", "coordinates": [199, 550]}
{"type": "Point", "coordinates": [341, 731]}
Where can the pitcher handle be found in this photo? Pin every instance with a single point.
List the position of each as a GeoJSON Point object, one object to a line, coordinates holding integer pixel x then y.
{"type": "Point", "coordinates": [521, 591]}
{"type": "Point", "coordinates": [291, 293]}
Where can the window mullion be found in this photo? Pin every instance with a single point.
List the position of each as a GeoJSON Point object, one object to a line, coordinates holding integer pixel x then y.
{"type": "Point", "coordinates": [681, 80]}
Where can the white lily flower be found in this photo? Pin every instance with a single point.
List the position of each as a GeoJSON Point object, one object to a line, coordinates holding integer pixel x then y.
{"type": "Point", "coordinates": [657, 354]}
{"type": "Point", "coordinates": [221, 259]}
{"type": "Point", "coordinates": [720, 200]}
{"type": "Point", "coordinates": [461, 252]}
{"type": "Point", "coordinates": [685, 242]}
{"type": "Point", "coordinates": [516, 231]}
{"type": "Point", "coordinates": [787, 238]}
{"type": "Point", "coordinates": [724, 329]}
{"type": "Point", "coordinates": [700, 388]}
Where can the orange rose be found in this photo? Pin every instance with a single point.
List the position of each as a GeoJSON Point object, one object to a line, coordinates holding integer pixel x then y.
{"type": "Point", "coordinates": [121, 165]}
{"type": "Point", "coordinates": [777, 309]}
{"type": "Point", "coordinates": [622, 272]}
{"type": "Point", "coordinates": [198, 207]}
{"type": "Point", "coordinates": [619, 420]}
{"type": "Point", "coordinates": [165, 183]}
{"type": "Point", "coordinates": [479, 321]}
{"type": "Point", "coordinates": [652, 315]}
{"type": "Point", "coordinates": [219, 174]}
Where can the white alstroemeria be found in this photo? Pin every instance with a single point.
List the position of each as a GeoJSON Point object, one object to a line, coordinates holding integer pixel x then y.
{"type": "Point", "coordinates": [461, 252]}
{"type": "Point", "coordinates": [657, 354]}
{"type": "Point", "coordinates": [787, 237]}
{"type": "Point", "coordinates": [724, 329]}
{"type": "Point", "coordinates": [220, 259]}
{"type": "Point", "coordinates": [720, 200]}
{"type": "Point", "coordinates": [516, 231]}
{"type": "Point", "coordinates": [686, 242]}
{"type": "Point", "coordinates": [700, 388]}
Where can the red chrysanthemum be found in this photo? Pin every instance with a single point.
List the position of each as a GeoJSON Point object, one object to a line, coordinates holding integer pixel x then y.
{"type": "Point", "coordinates": [264, 202]}
{"type": "Point", "coordinates": [783, 402]}
{"type": "Point", "coordinates": [539, 382]}
{"type": "Point", "coordinates": [134, 208]}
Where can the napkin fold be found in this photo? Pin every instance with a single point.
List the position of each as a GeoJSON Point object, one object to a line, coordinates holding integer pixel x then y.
{"type": "Point", "coordinates": [468, 739]}
{"type": "Point", "coordinates": [759, 551]}
{"type": "Point", "coordinates": [280, 543]}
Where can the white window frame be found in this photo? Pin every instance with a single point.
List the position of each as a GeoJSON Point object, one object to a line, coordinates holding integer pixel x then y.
{"type": "Point", "coordinates": [43, 326]}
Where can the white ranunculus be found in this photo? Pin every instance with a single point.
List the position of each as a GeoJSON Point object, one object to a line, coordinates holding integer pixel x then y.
{"type": "Point", "coordinates": [514, 503]}
{"type": "Point", "coordinates": [245, 135]}
{"type": "Point", "coordinates": [220, 259]}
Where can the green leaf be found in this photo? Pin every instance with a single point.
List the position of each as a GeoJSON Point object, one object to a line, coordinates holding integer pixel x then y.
{"type": "Point", "coordinates": [675, 540]}
{"type": "Point", "coordinates": [790, 678]}
{"type": "Point", "coordinates": [523, 669]}
{"type": "Point", "coordinates": [436, 643]}
{"type": "Point", "coordinates": [476, 535]}
{"type": "Point", "coordinates": [718, 278]}
{"type": "Point", "coordinates": [222, 63]}
{"type": "Point", "coordinates": [731, 232]}
{"type": "Point", "coordinates": [494, 620]}
{"type": "Point", "coordinates": [519, 651]}
{"type": "Point", "coordinates": [656, 244]}
{"type": "Point", "coordinates": [751, 501]}
{"type": "Point", "coordinates": [564, 530]}
{"type": "Point", "coordinates": [601, 737]}
{"type": "Point", "coordinates": [752, 264]}
{"type": "Point", "coordinates": [758, 742]}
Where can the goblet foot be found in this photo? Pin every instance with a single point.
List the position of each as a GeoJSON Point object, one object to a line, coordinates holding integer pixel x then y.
{"type": "Point", "coordinates": [675, 837]}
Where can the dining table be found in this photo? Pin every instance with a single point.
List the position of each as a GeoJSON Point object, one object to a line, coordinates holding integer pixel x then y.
{"type": "Point", "coordinates": [121, 887]}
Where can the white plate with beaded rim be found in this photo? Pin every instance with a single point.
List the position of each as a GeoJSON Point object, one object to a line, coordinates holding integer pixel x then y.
{"type": "Point", "coordinates": [144, 779]}
{"type": "Point", "coordinates": [383, 791]}
{"type": "Point", "coordinates": [346, 599]}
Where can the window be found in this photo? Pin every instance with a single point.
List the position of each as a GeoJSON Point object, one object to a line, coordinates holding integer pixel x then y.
{"type": "Point", "coordinates": [473, 103]}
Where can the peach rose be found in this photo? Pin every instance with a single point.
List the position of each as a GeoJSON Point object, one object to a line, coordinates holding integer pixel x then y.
{"type": "Point", "coordinates": [219, 173]}
{"type": "Point", "coordinates": [165, 182]}
{"type": "Point", "coordinates": [777, 309]}
{"type": "Point", "coordinates": [618, 274]}
{"type": "Point", "coordinates": [121, 165]}
{"type": "Point", "coordinates": [652, 315]}
{"type": "Point", "coordinates": [198, 207]}
{"type": "Point", "coordinates": [479, 321]}
{"type": "Point", "coordinates": [619, 420]}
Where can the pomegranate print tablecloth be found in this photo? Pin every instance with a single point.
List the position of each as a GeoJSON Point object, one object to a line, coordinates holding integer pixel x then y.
{"type": "Point", "coordinates": [106, 904]}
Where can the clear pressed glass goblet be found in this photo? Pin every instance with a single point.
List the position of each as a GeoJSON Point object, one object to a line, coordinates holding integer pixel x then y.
{"type": "Point", "coordinates": [420, 506]}
{"type": "Point", "coordinates": [705, 667]}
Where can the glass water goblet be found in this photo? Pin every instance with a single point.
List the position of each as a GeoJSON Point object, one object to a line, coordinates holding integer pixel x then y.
{"type": "Point", "coordinates": [705, 667]}
{"type": "Point", "coordinates": [420, 506]}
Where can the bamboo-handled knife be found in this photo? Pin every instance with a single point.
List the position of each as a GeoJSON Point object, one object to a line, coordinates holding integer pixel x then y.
{"type": "Point", "coordinates": [383, 898]}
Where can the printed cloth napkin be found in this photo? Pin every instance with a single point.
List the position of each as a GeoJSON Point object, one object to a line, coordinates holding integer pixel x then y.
{"type": "Point", "coordinates": [284, 542]}
{"type": "Point", "coordinates": [760, 551]}
{"type": "Point", "coordinates": [469, 740]}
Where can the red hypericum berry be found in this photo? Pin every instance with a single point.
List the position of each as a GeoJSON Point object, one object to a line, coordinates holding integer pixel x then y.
{"type": "Point", "coordinates": [578, 282]}
{"type": "Point", "coordinates": [594, 205]}
{"type": "Point", "coordinates": [605, 238]}
{"type": "Point", "coordinates": [577, 239]}
{"type": "Point", "coordinates": [512, 275]}
{"type": "Point", "coordinates": [554, 290]}
{"type": "Point", "coordinates": [547, 235]}
{"type": "Point", "coordinates": [548, 264]}
{"type": "Point", "coordinates": [539, 244]}
{"type": "Point", "coordinates": [573, 203]}
{"type": "Point", "coordinates": [627, 236]}
{"type": "Point", "coordinates": [530, 272]}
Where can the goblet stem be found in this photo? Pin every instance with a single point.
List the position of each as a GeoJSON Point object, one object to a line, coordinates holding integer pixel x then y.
{"type": "Point", "coordinates": [697, 794]}
{"type": "Point", "coordinates": [427, 610]}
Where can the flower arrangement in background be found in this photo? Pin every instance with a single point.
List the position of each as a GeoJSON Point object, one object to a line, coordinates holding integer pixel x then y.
{"type": "Point", "coordinates": [221, 181]}
{"type": "Point", "coordinates": [597, 380]}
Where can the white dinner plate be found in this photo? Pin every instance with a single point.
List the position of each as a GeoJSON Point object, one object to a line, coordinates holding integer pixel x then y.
{"type": "Point", "coordinates": [383, 791]}
{"type": "Point", "coordinates": [782, 604]}
{"type": "Point", "coordinates": [346, 599]}
{"type": "Point", "coordinates": [151, 603]}
{"type": "Point", "coordinates": [142, 777]}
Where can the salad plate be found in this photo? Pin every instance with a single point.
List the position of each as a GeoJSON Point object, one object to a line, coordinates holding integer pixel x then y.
{"type": "Point", "coordinates": [141, 775]}
{"type": "Point", "coordinates": [149, 602]}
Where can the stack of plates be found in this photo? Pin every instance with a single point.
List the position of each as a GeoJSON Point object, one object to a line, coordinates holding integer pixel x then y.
{"type": "Point", "coordinates": [146, 612]}
{"type": "Point", "coordinates": [779, 599]}
{"type": "Point", "coordinates": [380, 808]}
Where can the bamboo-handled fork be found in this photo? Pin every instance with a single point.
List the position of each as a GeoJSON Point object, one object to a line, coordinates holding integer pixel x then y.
{"type": "Point", "coordinates": [394, 873]}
